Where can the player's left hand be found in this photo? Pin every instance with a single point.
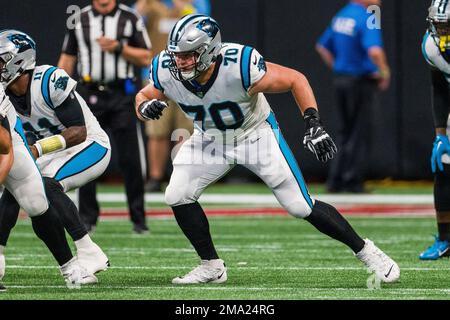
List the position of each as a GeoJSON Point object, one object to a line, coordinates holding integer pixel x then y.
{"type": "Point", "coordinates": [441, 146]}
{"type": "Point", "coordinates": [316, 138]}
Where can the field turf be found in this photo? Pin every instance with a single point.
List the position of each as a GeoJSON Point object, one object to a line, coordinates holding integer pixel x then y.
{"type": "Point", "coordinates": [270, 257]}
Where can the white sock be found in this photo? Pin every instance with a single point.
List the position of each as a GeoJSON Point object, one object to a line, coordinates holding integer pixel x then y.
{"type": "Point", "coordinates": [2, 249]}
{"type": "Point", "coordinates": [84, 243]}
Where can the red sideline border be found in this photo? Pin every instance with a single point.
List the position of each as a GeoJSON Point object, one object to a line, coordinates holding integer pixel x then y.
{"type": "Point", "coordinates": [348, 210]}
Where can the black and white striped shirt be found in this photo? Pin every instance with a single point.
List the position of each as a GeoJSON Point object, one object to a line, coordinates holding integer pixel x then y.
{"type": "Point", "coordinates": [122, 24]}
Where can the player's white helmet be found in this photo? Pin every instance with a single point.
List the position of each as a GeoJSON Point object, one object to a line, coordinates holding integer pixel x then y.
{"type": "Point", "coordinates": [439, 20]}
{"type": "Point", "coordinates": [197, 34]}
{"type": "Point", "coordinates": [17, 54]}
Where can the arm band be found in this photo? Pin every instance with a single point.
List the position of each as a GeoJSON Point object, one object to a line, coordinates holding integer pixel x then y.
{"type": "Point", "coordinates": [50, 144]}
{"type": "Point", "coordinates": [70, 112]}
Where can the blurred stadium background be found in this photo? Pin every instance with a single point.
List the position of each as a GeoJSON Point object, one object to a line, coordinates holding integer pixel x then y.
{"type": "Point", "coordinates": [285, 32]}
{"type": "Point", "coordinates": [290, 263]}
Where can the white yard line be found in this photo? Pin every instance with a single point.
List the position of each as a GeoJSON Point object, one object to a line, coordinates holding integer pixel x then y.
{"type": "Point", "coordinates": [234, 268]}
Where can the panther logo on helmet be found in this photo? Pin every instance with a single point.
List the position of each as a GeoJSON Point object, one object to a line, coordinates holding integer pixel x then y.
{"type": "Point", "coordinates": [208, 26]}
{"type": "Point", "coordinates": [17, 55]}
{"type": "Point", "coordinates": [22, 42]}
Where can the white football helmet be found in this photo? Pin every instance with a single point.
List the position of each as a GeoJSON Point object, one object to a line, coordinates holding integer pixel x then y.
{"type": "Point", "coordinates": [17, 54]}
{"type": "Point", "coordinates": [439, 22]}
{"type": "Point", "coordinates": [197, 34]}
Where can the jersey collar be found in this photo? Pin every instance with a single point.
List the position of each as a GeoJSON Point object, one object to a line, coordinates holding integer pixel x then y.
{"type": "Point", "coordinates": [201, 90]}
{"type": "Point", "coordinates": [22, 104]}
{"type": "Point", "coordinates": [111, 14]}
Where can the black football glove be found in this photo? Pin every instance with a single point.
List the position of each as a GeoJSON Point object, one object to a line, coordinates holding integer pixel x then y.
{"type": "Point", "coordinates": [316, 139]}
{"type": "Point", "coordinates": [152, 109]}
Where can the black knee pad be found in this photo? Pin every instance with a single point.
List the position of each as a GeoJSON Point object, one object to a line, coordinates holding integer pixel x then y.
{"type": "Point", "coordinates": [442, 189]}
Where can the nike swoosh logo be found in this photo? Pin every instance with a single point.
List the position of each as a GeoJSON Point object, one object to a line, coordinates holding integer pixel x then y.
{"type": "Point", "coordinates": [255, 140]}
{"type": "Point", "coordinates": [387, 274]}
{"type": "Point", "coordinates": [254, 62]}
{"type": "Point", "coordinates": [220, 275]}
{"type": "Point", "coordinates": [54, 78]}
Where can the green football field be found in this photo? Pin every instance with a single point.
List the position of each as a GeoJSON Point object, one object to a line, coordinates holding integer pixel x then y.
{"type": "Point", "coordinates": [268, 257]}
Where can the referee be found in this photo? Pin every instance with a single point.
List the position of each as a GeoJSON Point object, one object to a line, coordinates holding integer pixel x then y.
{"type": "Point", "coordinates": [354, 50]}
{"type": "Point", "coordinates": [109, 41]}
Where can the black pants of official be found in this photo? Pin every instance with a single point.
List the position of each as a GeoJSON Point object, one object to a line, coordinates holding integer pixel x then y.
{"type": "Point", "coordinates": [115, 112]}
{"type": "Point", "coordinates": [353, 99]}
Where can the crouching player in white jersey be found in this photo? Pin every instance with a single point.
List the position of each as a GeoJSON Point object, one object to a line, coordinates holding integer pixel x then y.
{"type": "Point", "coordinates": [6, 163]}
{"type": "Point", "coordinates": [24, 183]}
{"type": "Point", "coordinates": [70, 147]}
{"type": "Point", "coordinates": [436, 50]}
{"type": "Point", "coordinates": [220, 86]}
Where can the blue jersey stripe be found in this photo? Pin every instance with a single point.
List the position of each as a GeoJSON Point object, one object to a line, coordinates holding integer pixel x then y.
{"type": "Point", "coordinates": [245, 67]}
{"type": "Point", "coordinates": [424, 52]}
{"type": "Point", "coordinates": [45, 86]}
{"type": "Point", "coordinates": [82, 161]}
{"type": "Point", "coordinates": [19, 129]}
{"type": "Point", "coordinates": [155, 66]}
{"type": "Point", "coordinates": [287, 153]}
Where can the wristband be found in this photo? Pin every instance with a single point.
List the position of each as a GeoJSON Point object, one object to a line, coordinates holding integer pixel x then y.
{"type": "Point", "coordinates": [50, 144]}
{"type": "Point", "coordinates": [311, 112]}
{"type": "Point", "coordinates": [311, 117]}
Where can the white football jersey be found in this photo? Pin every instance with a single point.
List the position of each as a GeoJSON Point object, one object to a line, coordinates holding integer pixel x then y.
{"type": "Point", "coordinates": [222, 105]}
{"type": "Point", "coordinates": [434, 56]}
{"type": "Point", "coordinates": [49, 88]}
{"type": "Point", "coordinates": [7, 110]}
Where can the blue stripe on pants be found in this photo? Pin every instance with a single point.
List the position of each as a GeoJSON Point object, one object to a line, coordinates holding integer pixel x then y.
{"type": "Point", "coordinates": [82, 161]}
{"type": "Point", "coordinates": [287, 153]}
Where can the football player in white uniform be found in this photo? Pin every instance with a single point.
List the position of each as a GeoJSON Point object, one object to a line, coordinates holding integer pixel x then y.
{"type": "Point", "coordinates": [6, 151]}
{"type": "Point", "coordinates": [70, 147]}
{"type": "Point", "coordinates": [436, 50]}
{"type": "Point", "coordinates": [24, 183]}
{"type": "Point", "coordinates": [220, 86]}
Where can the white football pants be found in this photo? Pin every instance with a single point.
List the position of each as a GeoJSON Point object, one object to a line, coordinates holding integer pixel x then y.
{"type": "Point", "coordinates": [201, 161]}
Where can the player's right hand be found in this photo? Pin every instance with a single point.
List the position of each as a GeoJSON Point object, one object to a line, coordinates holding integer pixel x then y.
{"type": "Point", "coordinates": [441, 146]}
{"type": "Point", "coordinates": [318, 141]}
{"type": "Point", "coordinates": [152, 109]}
